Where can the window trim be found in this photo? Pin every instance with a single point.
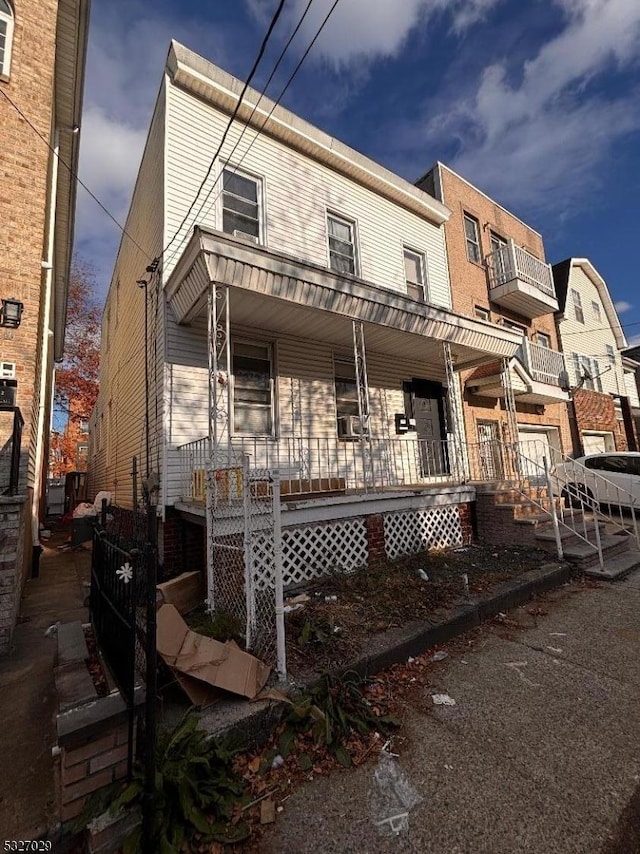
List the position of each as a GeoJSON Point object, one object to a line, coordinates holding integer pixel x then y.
{"type": "Point", "coordinates": [479, 311]}
{"type": "Point", "coordinates": [353, 225]}
{"type": "Point", "coordinates": [9, 19]}
{"type": "Point", "coordinates": [273, 385]}
{"type": "Point", "coordinates": [578, 310]}
{"type": "Point", "coordinates": [422, 258]}
{"type": "Point", "coordinates": [260, 195]}
{"type": "Point", "coordinates": [476, 227]}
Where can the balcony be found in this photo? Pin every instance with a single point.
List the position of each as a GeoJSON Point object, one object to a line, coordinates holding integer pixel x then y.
{"type": "Point", "coordinates": [521, 282]}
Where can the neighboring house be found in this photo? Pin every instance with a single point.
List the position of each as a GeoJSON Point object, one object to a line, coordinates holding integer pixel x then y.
{"type": "Point", "coordinates": [69, 449]}
{"type": "Point", "coordinates": [631, 366]}
{"type": "Point", "coordinates": [42, 58]}
{"type": "Point", "coordinates": [303, 306]}
{"type": "Point", "coordinates": [499, 276]}
{"type": "Point", "coordinates": [592, 338]}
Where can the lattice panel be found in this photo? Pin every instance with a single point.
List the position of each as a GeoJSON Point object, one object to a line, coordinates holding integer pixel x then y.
{"type": "Point", "coordinates": [310, 551]}
{"type": "Point", "coordinates": [420, 530]}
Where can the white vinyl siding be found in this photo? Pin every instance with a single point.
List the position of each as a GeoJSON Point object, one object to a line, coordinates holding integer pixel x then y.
{"type": "Point", "coordinates": [298, 193]}
{"type": "Point", "coordinates": [631, 388]}
{"type": "Point", "coordinates": [590, 338]}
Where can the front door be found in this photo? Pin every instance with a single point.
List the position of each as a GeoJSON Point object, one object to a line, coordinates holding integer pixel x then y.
{"type": "Point", "coordinates": [489, 450]}
{"type": "Point", "coordinates": [427, 408]}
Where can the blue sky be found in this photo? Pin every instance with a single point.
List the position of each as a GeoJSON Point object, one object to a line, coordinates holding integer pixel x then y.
{"type": "Point", "coordinates": [534, 101]}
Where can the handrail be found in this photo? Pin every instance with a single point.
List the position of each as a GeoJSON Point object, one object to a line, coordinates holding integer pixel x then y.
{"type": "Point", "coordinates": [16, 442]}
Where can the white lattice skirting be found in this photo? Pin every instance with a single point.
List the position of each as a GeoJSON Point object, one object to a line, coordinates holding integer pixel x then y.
{"type": "Point", "coordinates": [311, 551]}
{"type": "Point", "coordinates": [419, 530]}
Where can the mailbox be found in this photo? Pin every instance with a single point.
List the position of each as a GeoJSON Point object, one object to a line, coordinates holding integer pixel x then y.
{"type": "Point", "coordinates": [402, 423]}
{"type": "Point", "coordinates": [8, 394]}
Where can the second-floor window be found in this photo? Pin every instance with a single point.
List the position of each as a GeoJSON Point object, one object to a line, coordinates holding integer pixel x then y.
{"type": "Point", "coordinates": [414, 273]}
{"type": "Point", "coordinates": [481, 313]}
{"type": "Point", "coordinates": [595, 308]}
{"type": "Point", "coordinates": [514, 327]}
{"type": "Point", "coordinates": [543, 340]}
{"type": "Point", "coordinates": [252, 389]}
{"type": "Point", "coordinates": [342, 244]}
{"type": "Point", "coordinates": [240, 205]}
{"type": "Point", "coordinates": [6, 37]}
{"type": "Point", "coordinates": [588, 370]}
{"type": "Point", "coordinates": [611, 355]}
{"type": "Point", "coordinates": [471, 233]}
{"type": "Point", "coordinates": [577, 305]}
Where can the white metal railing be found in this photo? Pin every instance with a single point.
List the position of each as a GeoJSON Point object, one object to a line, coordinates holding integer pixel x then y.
{"type": "Point", "coordinates": [316, 465]}
{"type": "Point", "coordinates": [510, 262]}
{"type": "Point", "coordinates": [543, 364]}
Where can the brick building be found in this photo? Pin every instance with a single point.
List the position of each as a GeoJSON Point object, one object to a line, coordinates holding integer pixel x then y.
{"type": "Point", "coordinates": [499, 275]}
{"type": "Point", "coordinates": [42, 58]}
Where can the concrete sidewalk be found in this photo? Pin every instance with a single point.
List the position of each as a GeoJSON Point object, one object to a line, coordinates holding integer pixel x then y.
{"type": "Point", "coordinates": [27, 699]}
{"type": "Point", "coordinates": [540, 753]}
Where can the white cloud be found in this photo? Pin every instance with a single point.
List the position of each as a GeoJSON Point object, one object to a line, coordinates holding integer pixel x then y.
{"type": "Point", "coordinates": [534, 133]}
{"type": "Point", "coordinates": [622, 306]}
{"type": "Point", "coordinates": [365, 30]}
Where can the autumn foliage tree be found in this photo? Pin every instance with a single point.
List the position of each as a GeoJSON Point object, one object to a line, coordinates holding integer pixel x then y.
{"type": "Point", "coordinates": [77, 378]}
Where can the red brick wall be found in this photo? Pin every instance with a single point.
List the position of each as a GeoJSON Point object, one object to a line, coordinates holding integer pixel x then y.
{"type": "Point", "coordinates": [375, 538]}
{"type": "Point", "coordinates": [596, 411]}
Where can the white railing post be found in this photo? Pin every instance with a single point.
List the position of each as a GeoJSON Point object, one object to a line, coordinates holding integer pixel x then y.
{"type": "Point", "coordinates": [281, 644]}
{"type": "Point", "coordinates": [248, 553]}
{"type": "Point", "coordinates": [553, 508]}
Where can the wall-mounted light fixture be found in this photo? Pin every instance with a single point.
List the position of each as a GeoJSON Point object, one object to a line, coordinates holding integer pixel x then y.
{"type": "Point", "coordinates": [11, 313]}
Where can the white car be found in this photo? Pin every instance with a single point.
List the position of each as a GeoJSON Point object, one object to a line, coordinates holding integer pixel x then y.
{"type": "Point", "coordinates": [612, 478]}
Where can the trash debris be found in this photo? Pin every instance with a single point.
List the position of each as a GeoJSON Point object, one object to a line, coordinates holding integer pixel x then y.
{"type": "Point", "coordinates": [517, 666]}
{"type": "Point", "coordinates": [555, 649]}
{"type": "Point", "coordinates": [410, 660]}
{"type": "Point", "coordinates": [300, 599]}
{"type": "Point", "coordinates": [52, 631]}
{"type": "Point", "coordinates": [442, 700]}
{"type": "Point", "coordinates": [201, 664]}
{"type": "Point", "coordinates": [462, 661]}
{"type": "Point", "coordinates": [45, 534]}
{"type": "Point", "coordinates": [278, 761]}
{"type": "Point", "coordinates": [461, 549]}
{"type": "Point", "coordinates": [289, 608]}
{"type": "Point", "coordinates": [423, 575]}
{"type": "Point", "coordinates": [392, 798]}
{"type": "Point", "coordinates": [557, 634]}
{"type": "Point", "coordinates": [267, 812]}
{"type": "Point", "coordinates": [465, 583]}
{"type": "Point", "coordinates": [440, 655]}
{"type": "Point", "coordinates": [494, 554]}
{"type": "Point", "coordinates": [449, 767]}
{"type": "Point", "coordinates": [330, 598]}
{"type": "Point", "coordinates": [185, 591]}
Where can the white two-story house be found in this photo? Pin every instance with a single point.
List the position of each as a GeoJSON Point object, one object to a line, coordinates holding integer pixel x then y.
{"type": "Point", "coordinates": [300, 313]}
{"type": "Point", "coordinates": [603, 392]}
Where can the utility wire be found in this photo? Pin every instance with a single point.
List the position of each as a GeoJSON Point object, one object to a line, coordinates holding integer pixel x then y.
{"type": "Point", "coordinates": [235, 168]}
{"type": "Point", "coordinates": [73, 174]}
{"type": "Point", "coordinates": [254, 68]}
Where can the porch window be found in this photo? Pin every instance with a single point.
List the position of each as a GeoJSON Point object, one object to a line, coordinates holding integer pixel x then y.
{"type": "Point", "coordinates": [240, 205]}
{"type": "Point", "coordinates": [6, 37]}
{"type": "Point", "coordinates": [414, 273]}
{"type": "Point", "coordinates": [472, 232]}
{"type": "Point", "coordinates": [577, 305]}
{"type": "Point", "coordinates": [346, 390]}
{"type": "Point", "coordinates": [252, 389]}
{"type": "Point", "coordinates": [342, 244]}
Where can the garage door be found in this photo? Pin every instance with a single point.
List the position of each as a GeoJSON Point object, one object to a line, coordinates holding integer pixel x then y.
{"type": "Point", "coordinates": [534, 446]}
{"type": "Point", "coordinates": [594, 444]}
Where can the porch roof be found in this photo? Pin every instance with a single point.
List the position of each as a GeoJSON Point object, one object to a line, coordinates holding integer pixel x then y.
{"type": "Point", "coordinates": [281, 293]}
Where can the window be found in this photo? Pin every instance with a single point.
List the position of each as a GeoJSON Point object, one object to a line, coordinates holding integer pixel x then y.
{"type": "Point", "coordinates": [342, 244]}
{"type": "Point", "coordinates": [514, 327]}
{"type": "Point", "coordinates": [240, 205]}
{"type": "Point", "coordinates": [611, 355]}
{"type": "Point", "coordinates": [482, 313]}
{"type": "Point", "coordinates": [83, 426]}
{"type": "Point", "coordinates": [614, 464]}
{"type": "Point", "coordinates": [471, 232]}
{"type": "Point", "coordinates": [543, 340]}
{"type": "Point", "coordinates": [587, 369]}
{"type": "Point", "coordinates": [498, 259]}
{"type": "Point", "coordinates": [595, 308]}
{"type": "Point", "coordinates": [252, 389]}
{"type": "Point", "coordinates": [577, 305]}
{"type": "Point", "coordinates": [6, 37]}
{"type": "Point", "coordinates": [346, 389]}
{"type": "Point", "coordinates": [414, 273]}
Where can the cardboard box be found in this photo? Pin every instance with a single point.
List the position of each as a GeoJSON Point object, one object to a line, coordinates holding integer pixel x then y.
{"type": "Point", "coordinates": [219, 665]}
{"type": "Point", "coordinates": [187, 591]}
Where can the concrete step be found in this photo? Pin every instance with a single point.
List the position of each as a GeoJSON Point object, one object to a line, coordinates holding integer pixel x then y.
{"type": "Point", "coordinates": [545, 531]}
{"type": "Point", "coordinates": [616, 567]}
{"type": "Point", "coordinates": [584, 555]}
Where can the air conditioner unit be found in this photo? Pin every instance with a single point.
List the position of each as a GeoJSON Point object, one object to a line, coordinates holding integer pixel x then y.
{"type": "Point", "coordinates": [349, 427]}
{"type": "Point", "coordinates": [251, 238]}
{"type": "Point", "coordinates": [7, 370]}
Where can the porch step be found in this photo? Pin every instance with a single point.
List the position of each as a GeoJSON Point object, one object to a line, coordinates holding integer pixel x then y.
{"type": "Point", "coordinates": [617, 567]}
{"type": "Point", "coordinates": [585, 556]}
{"type": "Point", "coordinates": [547, 533]}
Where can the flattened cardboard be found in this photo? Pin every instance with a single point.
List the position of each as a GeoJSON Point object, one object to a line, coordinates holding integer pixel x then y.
{"type": "Point", "coordinates": [221, 665]}
{"type": "Point", "coordinates": [185, 591]}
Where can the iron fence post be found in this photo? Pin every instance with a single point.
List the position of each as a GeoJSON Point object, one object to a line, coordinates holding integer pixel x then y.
{"type": "Point", "coordinates": [150, 557]}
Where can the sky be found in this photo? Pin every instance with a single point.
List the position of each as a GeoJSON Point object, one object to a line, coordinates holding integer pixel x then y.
{"type": "Point", "coordinates": [536, 102]}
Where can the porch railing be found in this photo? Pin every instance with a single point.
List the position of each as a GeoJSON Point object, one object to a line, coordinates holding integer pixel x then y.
{"type": "Point", "coordinates": [10, 455]}
{"type": "Point", "coordinates": [510, 262]}
{"type": "Point", "coordinates": [543, 364]}
{"type": "Point", "coordinates": [315, 465]}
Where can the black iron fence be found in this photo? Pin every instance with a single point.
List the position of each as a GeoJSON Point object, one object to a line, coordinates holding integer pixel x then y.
{"type": "Point", "coordinates": [10, 456]}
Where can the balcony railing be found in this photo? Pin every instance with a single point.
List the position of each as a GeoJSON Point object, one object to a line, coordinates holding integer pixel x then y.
{"type": "Point", "coordinates": [543, 364]}
{"type": "Point", "coordinates": [511, 262]}
{"type": "Point", "coordinates": [312, 466]}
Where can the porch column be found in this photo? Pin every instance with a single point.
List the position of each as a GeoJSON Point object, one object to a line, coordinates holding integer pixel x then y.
{"type": "Point", "coordinates": [219, 410]}
{"type": "Point", "coordinates": [455, 415]}
{"type": "Point", "coordinates": [362, 386]}
{"type": "Point", "coordinates": [512, 418]}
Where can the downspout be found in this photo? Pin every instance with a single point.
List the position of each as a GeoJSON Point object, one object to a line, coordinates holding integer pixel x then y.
{"type": "Point", "coordinates": [45, 346]}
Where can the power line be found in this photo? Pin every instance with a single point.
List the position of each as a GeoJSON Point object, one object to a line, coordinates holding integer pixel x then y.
{"type": "Point", "coordinates": [623, 326]}
{"type": "Point", "coordinates": [254, 68]}
{"type": "Point", "coordinates": [73, 174]}
{"type": "Point", "coordinates": [235, 168]}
